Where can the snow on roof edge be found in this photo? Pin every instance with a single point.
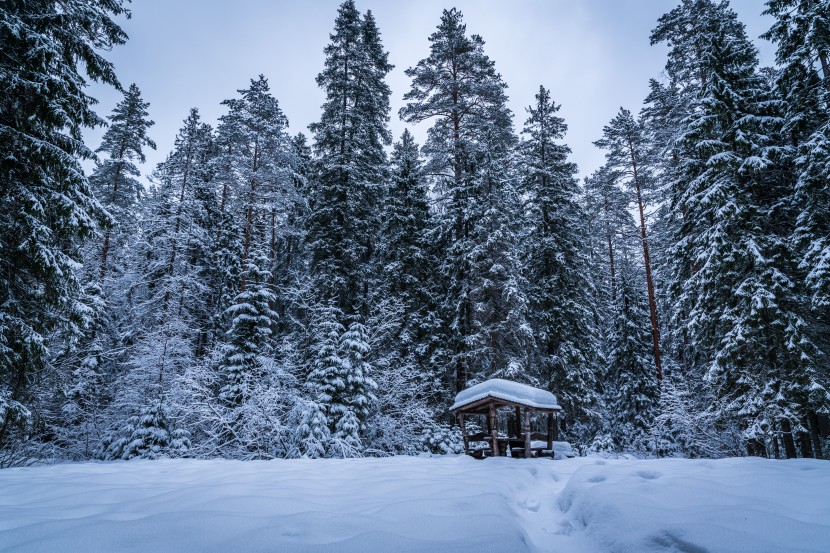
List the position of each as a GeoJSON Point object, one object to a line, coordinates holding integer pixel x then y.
{"type": "Point", "coordinates": [506, 390]}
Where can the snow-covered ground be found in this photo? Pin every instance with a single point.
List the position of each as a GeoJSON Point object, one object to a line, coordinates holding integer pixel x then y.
{"type": "Point", "coordinates": [435, 505]}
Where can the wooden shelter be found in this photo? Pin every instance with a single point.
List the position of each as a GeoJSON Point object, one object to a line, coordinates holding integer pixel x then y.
{"type": "Point", "coordinates": [521, 403]}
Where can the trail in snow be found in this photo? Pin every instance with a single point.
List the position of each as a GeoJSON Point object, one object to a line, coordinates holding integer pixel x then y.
{"type": "Point", "coordinates": [407, 504]}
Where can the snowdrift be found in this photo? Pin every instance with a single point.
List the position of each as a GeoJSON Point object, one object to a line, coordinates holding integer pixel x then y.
{"type": "Point", "coordinates": [408, 504]}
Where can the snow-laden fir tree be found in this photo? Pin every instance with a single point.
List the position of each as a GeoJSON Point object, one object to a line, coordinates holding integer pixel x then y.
{"type": "Point", "coordinates": [561, 290]}
{"type": "Point", "coordinates": [151, 434]}
{"type": "Point", "coordinates": [248, 340]}
{"type": "Point", "coordinates": [404, 318]}
{"type": "Point", "coordinates": [740, 303]}
{"type": "Point", "coordinates": [470, 145]}
{"type": "Point", "coordinates": [348, 184]}
{"type": "Point", "coordinates": [632, 392]}
{"type": "Point", "coordinates": [45, 198]}
{"type": "Point", "coordinates": [406, 256]}
{"type": "Point", "coordinates": [354, 390]}
{"type": "Point", "coordinates": [802, 34]}
{"type": "Point", "coordinates": [340, 385]}
{"type": "Point", "coordinates": [88, 368]}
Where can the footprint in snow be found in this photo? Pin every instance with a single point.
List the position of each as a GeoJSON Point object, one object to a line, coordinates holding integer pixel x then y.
{"type": "Point", "coordinates": [532, 505]}
{"type": "Point", "coordinates": [597, 479]}
{"type": "Point", "coordinates": [648, 475]}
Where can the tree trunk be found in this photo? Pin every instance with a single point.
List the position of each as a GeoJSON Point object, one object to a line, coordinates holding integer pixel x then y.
{"type": "Point", "coordinates": [551, 430]}
{"type": "Point", "coordinates": [19, 385]}
{"type": "Point", "coordinates": [806, 444]}
{"type": "Point", "coordinates": [613, 270]}
{"type": "Point", "coordinates": [105, 248]}
{"type": "Point", "coordinates": [652, 304]}
{"type": "Point", "coordinates": [787, 438]}
{"type": "Point", "coordinates": [494, 430]}
{"type": "Point", "coordinates": [814, 434]}
{"type": "Point", "coordinates": [518, 422]}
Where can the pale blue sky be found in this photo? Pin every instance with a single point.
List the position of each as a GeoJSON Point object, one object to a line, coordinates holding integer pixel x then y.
{"type": "Point", "coordinates": [594, 55]}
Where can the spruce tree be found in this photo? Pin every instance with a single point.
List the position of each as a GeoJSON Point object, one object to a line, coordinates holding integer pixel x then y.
{"type": "Point", "coordinates": [560, 291]}
{"type": "Point", "coordinates": [739, 303]}
{"type": "Point", "coordinates": [340, 384]}
{"type": "Point", "coordinates": [248, 339]}
{"type": "Point", "coordinates": [45, 198]}
{"type": "Point", "coordinates": [632, 391]}
{"type": "Point", "coordinates": [404, 250]}
{"type": "Point", "coordinates": [409, 279]}
{"type": "Point", "coordinates": [802, 35]}
{"type": "Point", "coordinates": [349, 140]}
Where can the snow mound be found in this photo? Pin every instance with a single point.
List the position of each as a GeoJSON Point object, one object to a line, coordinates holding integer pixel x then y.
{"type": "Point", "coordinates": [746, 505]}
{"type": "Point", "coordinates": [508, 391]}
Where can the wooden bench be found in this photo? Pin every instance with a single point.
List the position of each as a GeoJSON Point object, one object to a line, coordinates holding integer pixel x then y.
{"type": "Point", "coordinates": [479, 452]}
{"type": "Point", "coordinates": [518, 450]}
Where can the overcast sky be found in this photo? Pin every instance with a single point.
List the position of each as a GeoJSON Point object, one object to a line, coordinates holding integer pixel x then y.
{"type": "Point", "coordinates": [594, 56]}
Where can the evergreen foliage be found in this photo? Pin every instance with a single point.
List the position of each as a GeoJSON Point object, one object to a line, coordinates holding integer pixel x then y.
{"type": "Point", "coordinates": [350, 170]}
{"type": "Point", "coordinates": [484, 308]}
{"type": "Point", "coordinates": [556, 264]}
{"type": "Point", "coordinates": [46, 201]}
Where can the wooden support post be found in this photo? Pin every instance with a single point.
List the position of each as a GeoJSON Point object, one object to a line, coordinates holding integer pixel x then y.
{"type": "Point", "coordinates": [550, 433]}
{"type": "Point", "coordinates": [494, 430]}
{"type": "Point", "coordinates": [518, 428]}
{"type": "Point", "coordinates": [556, 428]}
{"type": "Point", "coordinates": [527, 434]}
{"type": "Point", "coordinates": [462, 423]}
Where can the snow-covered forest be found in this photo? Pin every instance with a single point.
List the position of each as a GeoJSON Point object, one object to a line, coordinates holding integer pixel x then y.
{"type": "Point", "coordinates": [275, 294]}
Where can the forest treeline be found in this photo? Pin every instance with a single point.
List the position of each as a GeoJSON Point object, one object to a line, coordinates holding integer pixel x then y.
{"type": "Point", "coordinates": [277, 295]}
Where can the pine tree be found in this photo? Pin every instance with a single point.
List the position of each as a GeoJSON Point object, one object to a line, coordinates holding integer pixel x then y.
{"type": "Point", "coordinates": [484, 307]}
{"type": "Point", "coordinates": [259, 163]}
{"type": "Point", "coordinates": [561, 291]}
{"type": "Point", "coordinates": [625, 144]}
{"type": "Point", "coordinates": [114, 179]}
{"type": "Point", "coordinates": [350, 171]}
{"type": "Point", "coordinates": [45, 198]}
{"type": "Point", "coordinates": [630, 390]}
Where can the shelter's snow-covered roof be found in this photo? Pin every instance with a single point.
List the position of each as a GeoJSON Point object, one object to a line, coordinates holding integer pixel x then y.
{"type": "Point", "coordinates": [508, 391]}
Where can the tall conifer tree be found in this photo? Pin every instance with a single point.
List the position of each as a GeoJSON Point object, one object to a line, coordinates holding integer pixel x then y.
{"type": "Point", "coordinates": [471, 140]}
{"type": "Point", "coordinates": [46, 201]}
{"type": "Point", "coordinates": [349, 141]}
{"type": "Point", "coordinates": [560, 290]}
{"type": "Point", "coordinates": [739, 302]}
